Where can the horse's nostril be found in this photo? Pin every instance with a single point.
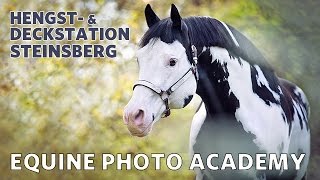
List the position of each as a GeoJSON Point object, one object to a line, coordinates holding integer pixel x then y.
{"type": "Point", "coordinates": [139, 115]}
{"type": "Point", "coordinates": [138, 118]}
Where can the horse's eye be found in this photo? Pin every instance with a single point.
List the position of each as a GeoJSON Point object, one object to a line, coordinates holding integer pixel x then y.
{"type": "Point", "coordinates": [172, 62]}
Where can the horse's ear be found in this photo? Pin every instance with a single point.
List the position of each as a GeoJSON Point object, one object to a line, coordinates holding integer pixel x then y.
{"type": "Point", "coordinates": [151, 17]}
{"type": "Point", "coordinates": [175, 17]}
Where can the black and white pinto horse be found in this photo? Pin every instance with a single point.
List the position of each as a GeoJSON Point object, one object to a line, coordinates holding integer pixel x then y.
{"type": "Point", "coordinates": [245, 107]}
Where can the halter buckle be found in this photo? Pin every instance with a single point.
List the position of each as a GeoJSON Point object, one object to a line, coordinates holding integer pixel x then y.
{"type": "Point", "coordinates": [166, 112]}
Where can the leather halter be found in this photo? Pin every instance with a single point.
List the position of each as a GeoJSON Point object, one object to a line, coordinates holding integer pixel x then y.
{"type": "Point", "coordinates": [164, 94]}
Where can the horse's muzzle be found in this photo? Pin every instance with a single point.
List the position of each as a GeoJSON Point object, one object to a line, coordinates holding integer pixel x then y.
{"type": "Point", "coordinates": [136, 122]}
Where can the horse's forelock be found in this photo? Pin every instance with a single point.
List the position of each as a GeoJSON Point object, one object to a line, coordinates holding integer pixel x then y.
{"type": "Point", "coordinates": [166, 33]}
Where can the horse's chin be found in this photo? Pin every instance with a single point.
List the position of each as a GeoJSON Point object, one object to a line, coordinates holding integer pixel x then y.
{"type": "Point", "coordinates": [139, 135]}
{"type": "Point", "coordinates": [140, 132]}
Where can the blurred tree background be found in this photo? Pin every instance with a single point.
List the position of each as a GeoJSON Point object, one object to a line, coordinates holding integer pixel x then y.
{"type": "Point", "coordinates": [53, 105]}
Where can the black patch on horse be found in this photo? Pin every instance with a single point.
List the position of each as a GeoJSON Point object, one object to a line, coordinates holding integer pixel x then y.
{"type": "Point", "coordinates": [287, 103]}
{"type": "Point", "coordinates": [285, 90]}
{"type": "Point", "coordinates": [261, 90]}
{"type": "Point", "coordinates": [213, 86]}
{"type": "Point", "coordinates": [220, 123]}
{"type": "Point", "coordinates": [187, 100]}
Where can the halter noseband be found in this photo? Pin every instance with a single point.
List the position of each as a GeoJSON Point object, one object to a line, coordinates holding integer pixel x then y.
{"type": "Point", "coordinates": [164, 94]}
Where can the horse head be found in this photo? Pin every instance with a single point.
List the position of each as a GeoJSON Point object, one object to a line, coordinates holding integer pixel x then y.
{"type": "Point", "coordinates": [167, 72]}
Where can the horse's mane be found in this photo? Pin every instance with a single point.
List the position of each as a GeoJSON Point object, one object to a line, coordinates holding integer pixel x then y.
{"type": "Point", "coordinates": [206, 31]}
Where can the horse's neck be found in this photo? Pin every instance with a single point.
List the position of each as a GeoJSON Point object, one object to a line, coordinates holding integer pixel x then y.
{"type": "Point", "coordinates": [222, 76]}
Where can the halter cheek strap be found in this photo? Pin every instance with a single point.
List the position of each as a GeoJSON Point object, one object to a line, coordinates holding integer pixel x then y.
{"type": "Point", "coordinates": [164, 94]}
